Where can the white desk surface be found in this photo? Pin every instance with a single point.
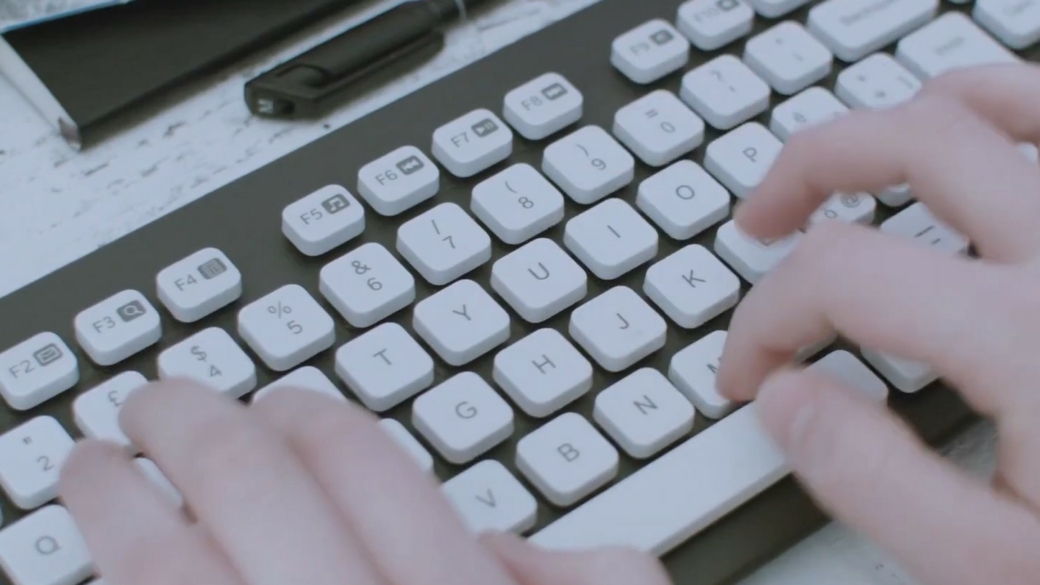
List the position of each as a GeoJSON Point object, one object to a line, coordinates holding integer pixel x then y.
{"type": "Point", "coordinates": [57, 205]}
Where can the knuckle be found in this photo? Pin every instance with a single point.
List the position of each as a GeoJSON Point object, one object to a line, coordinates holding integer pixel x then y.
{"type": "Point", "coordinates": [221, 450]}
{"type": "Point", "coordinates": [822, 243]}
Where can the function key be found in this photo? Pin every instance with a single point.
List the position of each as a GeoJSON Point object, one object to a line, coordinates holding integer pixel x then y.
{"type": "Point", "coordinates": [97, 410]}
{"type": "Point", "coordinates": [198, 285]}
{"type": "Point", "coordinates": [788, 57]}
{"type": "Point", "coordinates": [517, 204]}
{"type": "Point", "coordinates": [367, 285]}
{"type": "Point", "coordinates": [725, 92]}
{"type": "Point", "coordinates": [711, 24]}
{"type": "Point", "coordinates": [323, 220]}
{"type": "Point", "coordinates": [396, 182]}
{"type": "Point", "coordinates": [650, 51]}
{"type": "Point", "coordinates": [31, 457]}
{"type": "Point", "coordinates": [543, 106]}
{"type": "Point", "coordinates": [472, 143]}
{"type": "Point", "coordinates": [659, 128]}
{"type": "Point", "coordinates": [37, 370]}
{"type": "Point", "coordinates": [286, 327]}
{"type": "Point", "coordinates": [118, 327]}
{"type": "Point", "coordinates": [212, 358]}
{"type": "Point", "coordinates": [45, 548]}
{"type": "Point", "coordinates": [588, 164]}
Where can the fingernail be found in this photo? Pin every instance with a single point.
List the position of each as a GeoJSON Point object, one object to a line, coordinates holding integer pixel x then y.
{"type": "Point", "coordinates": [786, 408]}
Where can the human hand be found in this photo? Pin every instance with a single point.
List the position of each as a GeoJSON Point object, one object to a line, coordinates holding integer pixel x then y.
{"type": "Point", "coordinates": [295, 489]}
{"type": "Point", "coordinates": [977, 322]}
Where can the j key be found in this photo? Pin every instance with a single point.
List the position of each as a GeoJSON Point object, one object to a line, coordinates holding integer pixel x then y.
{"type": "Point", "coordinates": [323, 220]}
{"type": "Point", "coordinates": [683, 200]}
{"type": "Point", "coordinates": [711, 24]}
{"type": "Point", "coordinates": [489, 498]}
{"type": "Point", "coordinates": [725, 92]}
{"type": "Point", "coordinates": [566, 459]}
{"type": "Point", "coordinates": [855, 28]}
{"type": "Point", "coordinates": [118, 327]}
{"type": "Point", "coordinates": [398, 181]}
{"type": "Point", "coordinates": [384, 367]}
{"type": "Point", "coordinates": [617, 328]}
{"type": "Point", "coordinates": [788, 57]}
{"type": "Point", "coordinates": [462, 417]}
{"type": "Point", "coordinates": [643, 413]}
{"type": "Point", "coordinates": [950, 42]}
{"type": "Point", "coordinates": [588, 164]}
{"type": "Point", "coordinates": [31, 457]}
{"type": "Point", "coordinates": [650, 51]}
{"type": "Point", "coordinates": [444, 243]}
{"type": "Point", "coordinates": [472, 143]}
{"type": "Point", "coordinates": [37, 370]}
{"type": "Point", "coordinates": [543, 372]}
{"type": "Point", "coordinates": [367, 285]}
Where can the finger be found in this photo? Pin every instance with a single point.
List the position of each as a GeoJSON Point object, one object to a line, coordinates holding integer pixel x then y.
{"type": "Point", "coordinates": [969, 174]}
{"type": "Point", "coordinates": [1004, 95]}
{"type": "Point", "coordinates": [245, 486]}
{"type": "Point", "coordinates": [868, 470]}
{"type": "Point", "coordinates": [609, 566]}
{"type": "Point", "coordinates": [390, 503]}
{"type": "Point", "coordinates": [1018, 472]}
{"type": "Point", "coordinates": [135, 533]}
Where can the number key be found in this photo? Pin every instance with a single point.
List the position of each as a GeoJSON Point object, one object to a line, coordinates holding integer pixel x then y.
{"type": "Point", "coordinates": [286, 327]}
{"type": "Point", "coordinates": [517, 204]}
{"type": "Point", "coordinates": [444, 243]}
{"type": "Point", "coordinates": [588, 164]}
{"type": "Point", "coordinates": [97, 410]}
{"type": "Point", "coordinates": [367, 285]}
{"type": "Point", "coordinates": [212, 358]}
{"type": "Point", "coordinates": [31, 456]}
{"type": "Point", "coordinates": [659, 128]}
{"type": "Point", "coordinates": [37, 370]}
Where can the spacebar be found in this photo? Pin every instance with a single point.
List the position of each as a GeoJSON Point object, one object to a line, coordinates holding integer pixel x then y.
{"type": "Point", "coordinates": [663, 504]}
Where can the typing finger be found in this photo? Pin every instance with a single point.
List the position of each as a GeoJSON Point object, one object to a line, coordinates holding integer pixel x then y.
{"type": "Point", "coordinates": [1004, 95]}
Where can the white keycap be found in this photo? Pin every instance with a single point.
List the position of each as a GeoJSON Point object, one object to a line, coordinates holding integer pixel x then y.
{"type": "Point", "coordinates": [847, 207]}
{"type": "Point", "coordinates": [741, 158]}
{"type": "Point", "coordinates": [398, 181]}
{"type": "Point", "coordinates": [845, 368]}
{"type": "Point", "coordinates": [543, 106]}
{"type": "Point", "coordinates": [461, 322]}
{"type": "Point", "coordinates": [1030, 151]}
{"type": "Point", "coordinates": [539, 280]}
{"type": "Point", "coordinates": [406, 441]}
{"type": "Point", "coordinates": [776, 8]}
{"type": "Point", "coordinates": [462, 417]}
{"type": "Point", "coordinates": [658, 128]}
{"type": "Point", "coordinates": [199, 285]}
{"type": "Point", "coordinates": [617, 328]}
{"type": "Point", "coordinates": [787, 57]}
{"type": "Point", "coordinates": [490, 499]}
{"type": "Point", "coordinates": [725, 92]}
{"type": "Point", "coordinates": [1015, 22]}
{"type": "Point", "coordinates": [917, 222]}
{"type": "Point", "coordinates": [305, 378]}
{"type": "Point", "coordinates": [611, 239]}
{"type": "Point", "coordinates": [683, 200]}
{"type": "Point", "coordinates": [692, 286]}
{"type": "Point", "coordinates": [45, 548]}
{"type": "Point", "coordinates": [367, 285]}
{"type": "Point", "coordinates": [97, 410]}
{"type": "Point", "coordinates": [906, 375]}
{"type": "Point", "coordinates": [152, 472]}
{"type": "Point", "coordinates": [855, 28]}
{"type": "Point", "coordinates": [588, 164]}
{"type": "Point", "coordinates": [809, 108]}
{"type": "Point", "coordinates": [118, 327]}
{"type": "Point", "coordinates": [212, 358]}
{"type": "Point", "coordinates": [36, 370]}
{"type": "Point", "coordinates": [896, 196]}
{"type": "Point", "coordinates": [650, 51]}
{"type": "Point", "coordinates": [323, 220]}
{"type": "Point", "coordinates": [749, 257]}
{"type": "Point", "coordinates": [876, 83]}
{"type": "Point", "coordinates": [384, 367]}
{"type": "Point", "coordinates": [643, 413]}
{"type": "Point", "coordinates": [543, 372]}
{"type": "Point", "coordinates": [31, 456]}
{"type": "Point", "coordinates": [693, 370]}
{"type": "Point", "coordinates": [517, 204]}
{"type": "Point", "coordinates": [710, 24]}
{"type": "Point", "coordinates": [472, 143]}
{"type": "Point", "coordinates": [286, 328]}
{"type": "Point", "coordinates": [566, 459]}
{"type": "Point", "coordinates": [443, 243]}
{"type": "Point", "coordinates": [950, 42]}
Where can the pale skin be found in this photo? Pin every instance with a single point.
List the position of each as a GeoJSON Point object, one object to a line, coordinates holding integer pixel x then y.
{"type": "Point", "coordinates": [301, 489]}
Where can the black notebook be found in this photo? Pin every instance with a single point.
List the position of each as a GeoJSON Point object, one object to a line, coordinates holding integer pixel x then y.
{"type": "Point", "coordinates": [83, 70]}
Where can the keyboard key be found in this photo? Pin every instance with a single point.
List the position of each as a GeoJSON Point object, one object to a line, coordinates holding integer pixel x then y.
{"type": "Point", "coordinates": [950, 42]}
{"type": "Point", "coordinates": [406, 441]}
{"type": "Point", "coordinates": [855, 28]}
{"type": "Point", "coordinates": [917, 222]}
{"type": "Point", "coordinates": [31, 456]}
{"type": "Point", "coordinates": [1015, 22]}
{"type": "Point", "coordinates": [809, 108]}
{"type": "Point", "coordinates": [97, 410]}
{"type": "Point", "coordinates": [617, 329]}
{"type": "Point", "coordinates": [490, 499]}
{"type": "Point", "coordinates": [749, 257]}
{"type": "Point", "coordinates": [566, 459]}
{"type": "Point", "coordinates": [876, 83]}
{"type": "Point", "coordinates": [847, 207]}
{"type": "Point", "coordinates": [588, 164]}
{"type": "Point", "coordinates": [45, 548]}
{"type": "Point", "coordinates": [693, 371]}
{"type": "Point", "coordinates": [658, 128]}
{"type": "Point", "coordinates": [444, 243]}
{"type": "Point", "coordinates": [159, 479]}
{"type": "Point", "coordinates": [367, 285]}
{"type": "Point", "coordinates": [36, 370]}
{"type": "Point", "coordinates": [643, 413]}
{"type": "Point", "coordinates": [384, 367]}
{"type": "Point", "coordinates": [543, 372]}
{"type": "Point", "coordinates": [725, 92]}
{"type": "Point", "coordinates": [398, 181]}
{"type": "Point", "coordinates": [539, 280]}
{"type": "Point", "coordinates": [472, 143]}
{"type": "Point", "coordinates": [462, 417]}
{"type": "Point", "coordinates": [286, 328]}
{"type": "Point", "coordinates": [199, 285]}
{"type": "Point", "coordinates": [118, 327]}
{"type": "Point", "coordinates": [212, 358]}
{"type": "Point", "coordinates": [611, 239]}
{"type": "Point", "coordinates": [650, 51]}
{"type": "Point", "coordinates": [692, 286]}
{"type": "Point", "coordinates": [683, 200]}
{"type": "Point", "coordinates": [776, 8]}
{"type": "Point", "coordinates": [844, 367]}
{"type": "Point", "coordinates": [461, 322]}
{"type": "Point", "coordinates": [906, 375]}
{"type": "Point", "coordinates": [543, 106]}
{"type": "Point", "coordinates": [788, 57]}
{"type": "Point", "coordinates": [305, 378]}
{"type": "Point", "coordinates": [323, 220]}
{"type": "Point", "coordinates": [711, 24]}
{"type": "Point", "coordinates": [741, 158]}
{"type": "Point", "coordinates": [517, 204]}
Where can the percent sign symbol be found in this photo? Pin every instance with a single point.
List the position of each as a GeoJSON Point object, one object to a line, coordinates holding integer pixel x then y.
{"type": "Point", "coordinates": [279, 310]}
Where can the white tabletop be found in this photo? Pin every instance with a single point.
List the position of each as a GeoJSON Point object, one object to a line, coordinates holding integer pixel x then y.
{"type": "Point", "coordinates": [57, 205]}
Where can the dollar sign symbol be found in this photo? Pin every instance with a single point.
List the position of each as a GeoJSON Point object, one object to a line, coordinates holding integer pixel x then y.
{"type": "Point", "coordinates": [198, 353]}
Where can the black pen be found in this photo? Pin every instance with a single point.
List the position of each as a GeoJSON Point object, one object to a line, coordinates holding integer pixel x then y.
{"type": "Point", "coordinates": [304, 86]}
